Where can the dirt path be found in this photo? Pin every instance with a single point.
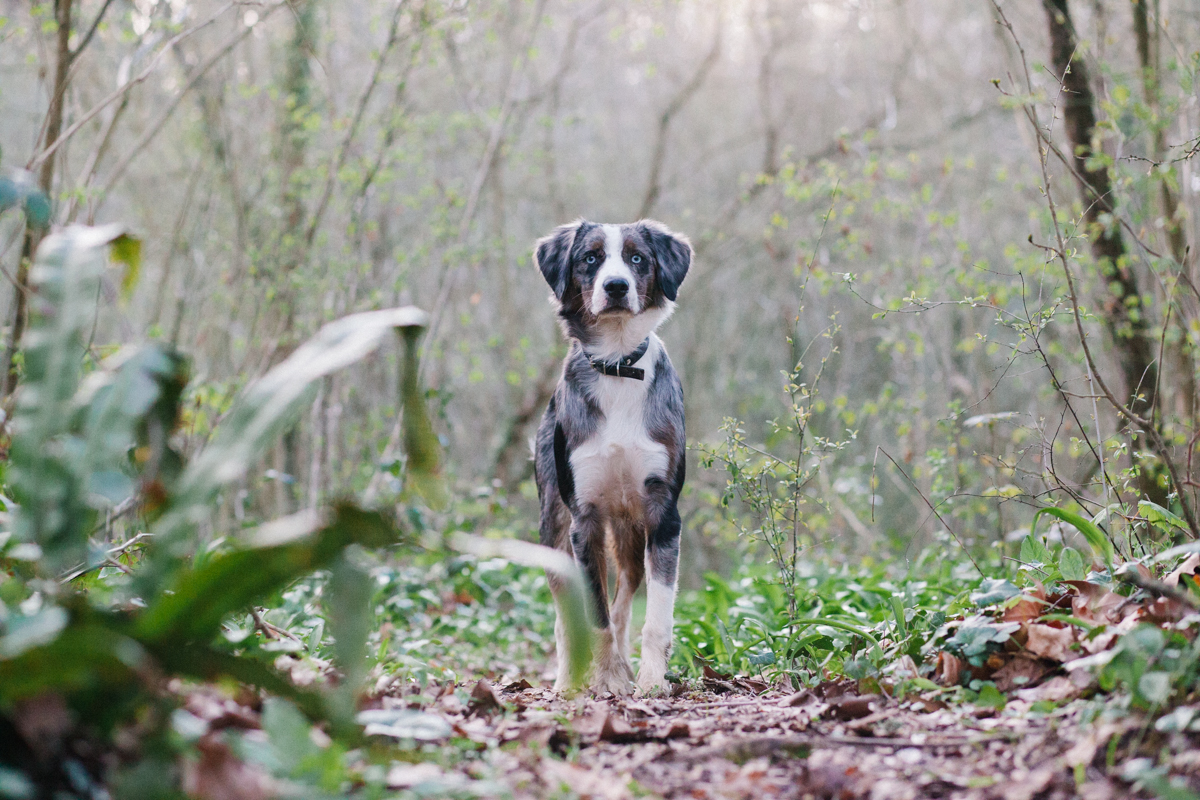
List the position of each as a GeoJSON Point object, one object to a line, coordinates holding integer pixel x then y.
{"type": "Point", "coordinates": [831, 743]}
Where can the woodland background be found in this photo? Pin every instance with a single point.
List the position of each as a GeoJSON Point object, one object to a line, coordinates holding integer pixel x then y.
{"type": "Point", "coordinates": [289, 163]}
{"type": "Point", "coordinates": [944, 287]}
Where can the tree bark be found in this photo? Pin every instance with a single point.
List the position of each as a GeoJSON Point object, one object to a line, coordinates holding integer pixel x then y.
{"type": "Point", "coordinates": [293, 144]}
{"type": "Point", "coordinates": [54, 118]}
{"type": "Point", "coordinates": [1122, 312]}
{"type": "Point", "coordinates": [1147, 48]}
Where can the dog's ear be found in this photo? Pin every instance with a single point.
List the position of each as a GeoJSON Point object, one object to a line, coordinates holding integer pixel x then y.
{"type": "Point", "coordinates": [672, 256]}
{"type": "Point", "coordinates": [553, 257]}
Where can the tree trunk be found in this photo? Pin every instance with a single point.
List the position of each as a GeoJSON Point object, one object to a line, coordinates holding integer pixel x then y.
{"type": "Point", "coordinates": [1123, 315]}
{"type": "Point", "coordinates": [293, 144]}
{"type": "Point", "coordinates": [54, 118]}
{"type": "Point", "coordinates": [1147, 48]}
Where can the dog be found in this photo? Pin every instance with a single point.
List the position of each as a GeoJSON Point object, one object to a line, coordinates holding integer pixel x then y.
{"type": "Point", "coordinates": [609, 452]}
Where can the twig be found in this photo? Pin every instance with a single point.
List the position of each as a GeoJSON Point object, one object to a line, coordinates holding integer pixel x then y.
{"type": "Point", "coordinates": [87, 37]}
{"type": "Point", "coordinates": [122, 89]}
{"type": "Point", "coordinates": [154, 127]}
{"type": "Point", "coordinates": [112, 555]}
{"type": "Point", "coordinates": [343, 152]}
{"type": "Point", "coordinates": [272, 631]}
{"type": "Point", "coordinates": [1059, 253]}
{"type": "Point", "coordinates": [758, 747]}
{"type": "Point", "coordinates": [654, 185]}
{"type": "Point", "coordinates": [1129, 574]}
{"type": "Point", "coordinates": [934, 510]}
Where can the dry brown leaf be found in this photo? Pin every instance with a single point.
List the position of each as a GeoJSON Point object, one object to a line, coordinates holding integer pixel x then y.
{"type": "Point", "coordinates": [848, 708]}
{"type": "Point", "coordinates": [1188, 568]}
{"type": "Point", "coordinates": [1058, 689]}
{"type": "Point", "coordinates": [948, 669]}
{"type": "Point", "coordinates": [1028, 608]}
{"type": "Point", "coordinates": [219, 775]}
{"type": "Point", "coordinates": [484, 699]}
{"type": "Point", "coordinates": [1096, 604]}
{"type": "Point", "coordinates": [1020, 671]}
{"type": "Point", "coordinates": [1049, 642]}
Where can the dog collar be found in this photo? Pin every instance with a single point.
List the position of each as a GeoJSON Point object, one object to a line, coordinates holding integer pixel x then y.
{"type": "Point", "coordinates": [623, 367]}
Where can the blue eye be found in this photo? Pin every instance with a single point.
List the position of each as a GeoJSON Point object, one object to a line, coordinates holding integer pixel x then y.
{"type": "Point", "coordinates": [635, 260]}
{"type": "Point", "coordinates": [591, 259]}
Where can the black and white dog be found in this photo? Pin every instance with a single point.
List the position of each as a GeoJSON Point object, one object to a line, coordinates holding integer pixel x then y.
{"type": "Point", "coordinates": [610, 448]}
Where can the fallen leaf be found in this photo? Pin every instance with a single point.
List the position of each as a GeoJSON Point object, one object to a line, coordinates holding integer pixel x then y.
{"type": "Point", "coordinates": [1049, 642]}
{"type": "Point", "coordinates": [518, 686]}
{"type": "Point", "coordinates": [1096, 604]}
{"type": "Point", "coordinates": [848, 708]}
{"type": "Point", "coordinates": [1027, 609]}
{"type": "Point", "coordinates": [219, 775]}
{"type": "Point", "coordinates": [1058, 689]}
{"type": "Point", "coordinates": [1020, 671]}
{"type": "Point", "coordinates": [949, 669]}
{"type": "Point", "coordinates": [800, 698]}
{"type": "Point", "coordinates": [484, 699]}
{"type": "Point", "coordinates": [1188, 568]}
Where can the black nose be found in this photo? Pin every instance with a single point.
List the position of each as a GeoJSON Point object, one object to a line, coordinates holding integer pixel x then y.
{"type": "Point", "coordinates": [616, 287]}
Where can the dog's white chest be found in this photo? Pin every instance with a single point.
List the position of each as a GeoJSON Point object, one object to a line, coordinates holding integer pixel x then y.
{"type": "Point", "coordinates": [611, 467]}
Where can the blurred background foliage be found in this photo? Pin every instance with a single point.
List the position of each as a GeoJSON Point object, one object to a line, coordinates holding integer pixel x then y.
{"type": "Point", "coordinates": [835, 163]}
{"type": "Point", "coordinates": [880, 349]}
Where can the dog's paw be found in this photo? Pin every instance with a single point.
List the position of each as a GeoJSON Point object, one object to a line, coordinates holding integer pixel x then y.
{"type": "Point", "coordinates": [651, 681]}
{"type": "Point", "coordinates": [616, 679]}
{"type": "Point", "coordinates": [618, 687]}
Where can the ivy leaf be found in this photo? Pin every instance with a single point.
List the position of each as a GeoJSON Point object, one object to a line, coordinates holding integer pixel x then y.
{"type": "Point", "coordinates": [993, 591]}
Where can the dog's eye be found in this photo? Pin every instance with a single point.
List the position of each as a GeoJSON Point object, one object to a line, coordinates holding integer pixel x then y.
{"type": "Point", "coordinates": [591, 259]}
{"type": "Point", "coordinates": [635, 259]}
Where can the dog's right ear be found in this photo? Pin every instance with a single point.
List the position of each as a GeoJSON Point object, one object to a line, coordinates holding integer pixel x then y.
{"type": "Point", "coordinates": [553, 257]}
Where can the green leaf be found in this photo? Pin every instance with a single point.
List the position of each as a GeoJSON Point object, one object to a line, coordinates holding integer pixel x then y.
{"type": "Point", "coordinates": [977, 637]}
{"type": "Point", "coordinates": [267, 408]}
{"type": "Point", "coordinates": [21, 190]}
{"type": "Point", "coordinates": [348, 600]}
{"type": "Point", "coordinates": [47, 475]}
{"type": "Point", "coordinates": [90, 654]}
{"type": "Point", "coordinates": [25, 633]}
{"type": "Point", "coordinates": [1157, 515]}
{"type": "Point", "coordinates": [420, 443]}
{"type": "Point", "coordinates": [991, 697]}
{"type": "Point", "coordinates": [200, 597]}
{"type": "Point", "coordinates": [289, 733]}
{"type": "Point", "coordinates": [1034, 552]}
{"type": "Point", "coordinates": [1070, 564]}
{"type": "Point", "coordinates": [992, 591]}
{"type": "Point", "coordinates": [571, 596]}
{"type": "Point", "coordinates": [1096, 538]}
{"type": "Point", "coordinates": [1155, 686]}
{"type": "Point", "coordinates": [127, 250]}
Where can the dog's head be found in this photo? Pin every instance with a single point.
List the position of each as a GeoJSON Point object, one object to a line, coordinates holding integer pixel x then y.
{"type": "Point", "coordinates": [604, 270]}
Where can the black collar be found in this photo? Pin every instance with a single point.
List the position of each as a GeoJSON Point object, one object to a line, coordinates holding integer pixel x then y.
{"type": "Point", "coordinates": [623, 367]}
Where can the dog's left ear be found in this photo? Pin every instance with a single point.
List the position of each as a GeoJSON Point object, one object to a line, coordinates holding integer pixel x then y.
{"type": "Point", "coordinates": [672, 256]}
{"type": "Point", "coordinates": [553, 257]}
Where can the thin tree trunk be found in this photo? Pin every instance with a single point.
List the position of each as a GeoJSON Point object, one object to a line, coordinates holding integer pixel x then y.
{"type": "Point", "coordinates": [294, 138]}
{"type": "Point", "coordinates": [54, 118]}
{"type": "Point", "coordinates": [1147, 48]}
{"type": "Point", "coordinates": [1123, 315]}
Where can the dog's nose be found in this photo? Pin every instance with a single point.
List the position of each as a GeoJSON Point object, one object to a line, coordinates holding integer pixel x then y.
{"type": "Point", "coordinates": [616, 287]}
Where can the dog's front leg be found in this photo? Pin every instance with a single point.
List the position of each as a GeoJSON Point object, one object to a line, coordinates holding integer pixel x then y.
{"type": "Point", "coordinates": [662, 574]}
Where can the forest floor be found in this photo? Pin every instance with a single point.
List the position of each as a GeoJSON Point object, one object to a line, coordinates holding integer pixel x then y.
{"type": "Point", "coordinates": [739, 738]}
